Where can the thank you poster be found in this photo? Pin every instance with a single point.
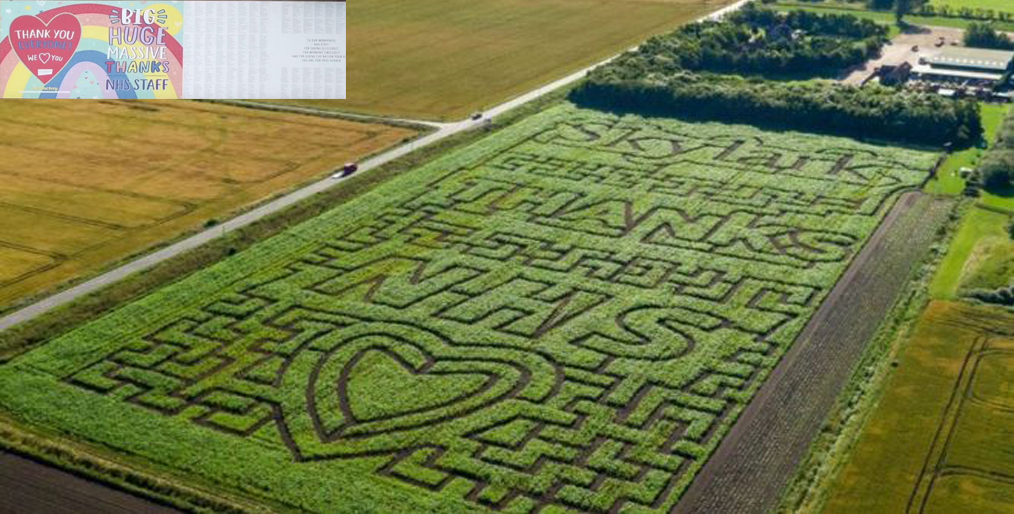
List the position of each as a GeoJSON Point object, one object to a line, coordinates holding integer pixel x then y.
{"type": "Point", "coordinates": [88, 49]}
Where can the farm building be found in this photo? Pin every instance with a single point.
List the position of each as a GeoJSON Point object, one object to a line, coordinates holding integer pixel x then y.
{"type": "Point", "coordinates": [972, 66]}
{"type": "Point", "coordinates": [892, 75]}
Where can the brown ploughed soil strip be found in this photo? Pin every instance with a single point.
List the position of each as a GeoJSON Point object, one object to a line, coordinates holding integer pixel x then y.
{"type": "Point", "coordinates": [29, 487]}
{"type": "Point", "coordinates": [752, 465]}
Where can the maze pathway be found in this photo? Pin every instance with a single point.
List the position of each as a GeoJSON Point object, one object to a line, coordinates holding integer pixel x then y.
{"type": "Point", "coordinates": [570, 314]}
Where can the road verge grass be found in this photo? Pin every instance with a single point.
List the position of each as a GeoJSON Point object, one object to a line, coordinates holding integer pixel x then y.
{"type": "Point", "coordinates": [59, 228]}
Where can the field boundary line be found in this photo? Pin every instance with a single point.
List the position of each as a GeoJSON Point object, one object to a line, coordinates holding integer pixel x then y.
{"type": "Point", "coordinates": [935, 464]}
{"type": "Point", "coordinates": [147, 261]}
{"type": "Point", "coordinates": [995, 209]}
{"type": "Point", "coordinates": [760, 453]}
{"type": "Point", "coordinates": [423, 125]}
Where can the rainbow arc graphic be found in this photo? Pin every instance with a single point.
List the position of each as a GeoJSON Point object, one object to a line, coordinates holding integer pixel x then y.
{"type": "Point", "coordinates": [89, 62]}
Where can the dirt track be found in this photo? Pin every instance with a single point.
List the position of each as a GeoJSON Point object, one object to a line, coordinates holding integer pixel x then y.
{"type": "Point", "coordinates": [757, 458]}
{"type": "Point", "coordinates": [29, 487]}
{"type": "Point", "coordinates": [899, 50]}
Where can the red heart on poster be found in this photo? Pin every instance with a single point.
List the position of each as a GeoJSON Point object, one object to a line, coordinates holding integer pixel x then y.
{"type": "Point", "coordinates": [45, 48]}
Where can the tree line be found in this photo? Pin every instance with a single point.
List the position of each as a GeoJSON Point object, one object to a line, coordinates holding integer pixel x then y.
{"type": "Point", "coordinates": [756, 40]}
{"type": "Point", "coordinates": [968, 13]}
{"type": "Point", "coordinates": [687, 73]}
{"type": "Point", "coordinates": [872, 111]}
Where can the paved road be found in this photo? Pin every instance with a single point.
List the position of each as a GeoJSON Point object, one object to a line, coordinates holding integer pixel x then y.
{"type": "Point", "coordinates": [30, 487]}
{"type": "Point", "coordinates": [444, 130]}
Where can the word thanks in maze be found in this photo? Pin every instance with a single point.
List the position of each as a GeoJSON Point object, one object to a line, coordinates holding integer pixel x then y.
{"type": "Point", "coordinates": [571, 315]}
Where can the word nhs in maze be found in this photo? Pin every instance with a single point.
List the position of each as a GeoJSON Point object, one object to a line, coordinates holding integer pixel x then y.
{"type": "Point", "coordinates": [578, 309]}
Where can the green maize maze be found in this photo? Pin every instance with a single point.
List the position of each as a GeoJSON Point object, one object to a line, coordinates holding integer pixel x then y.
{"type": "Point", "coordinates": [568, 314]}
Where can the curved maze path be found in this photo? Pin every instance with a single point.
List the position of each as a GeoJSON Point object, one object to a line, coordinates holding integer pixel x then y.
{"type": "Point", "coordinates": [571, 314]}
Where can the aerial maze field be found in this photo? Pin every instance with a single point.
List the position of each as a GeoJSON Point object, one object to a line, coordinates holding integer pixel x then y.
{"type": "Point", "coordinates": [570, 313]}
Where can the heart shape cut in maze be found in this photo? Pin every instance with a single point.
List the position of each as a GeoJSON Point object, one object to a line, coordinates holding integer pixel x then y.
{"type": "Point", "coordinates": [365, 402]}
{"type": "Point", "coordinates": [45, 48]}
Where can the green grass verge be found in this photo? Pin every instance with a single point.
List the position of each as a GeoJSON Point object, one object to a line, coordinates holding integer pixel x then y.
{"type": "Point", "coordinates": [998, 200]}
{"type": "Point", "coordinates": [995, 5]}
{"type": "Point", "coordinates": [980, 256]}
{"type": "Point", "coordinates": [133, 232]}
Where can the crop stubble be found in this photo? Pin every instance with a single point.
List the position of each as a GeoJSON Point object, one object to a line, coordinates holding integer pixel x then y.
{"type": "Point", "coordinates": [938, 438]}
{"type": "Point", "coordinates": [82, 186]}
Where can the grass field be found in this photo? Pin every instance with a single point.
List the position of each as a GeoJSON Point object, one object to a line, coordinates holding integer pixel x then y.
{"type": "Point", "coordinates": [83, 186]}
{"type": "Point", "coordinates": [939, 440]}
{"type": "Point", "coordinates": [999, 200]}
{"type": "Point", "coordinates": [444, 59]}
{"type": "Point", "coordinates": [996, 5]}
{"type": "Point", "coordinates": [885, 17]}
{"type": "Point", "coordinates": [948, 180]}
{"type": "Point", "coordinates": [980, 256]}
{"type": "Point", "coordinates": [574, 312]}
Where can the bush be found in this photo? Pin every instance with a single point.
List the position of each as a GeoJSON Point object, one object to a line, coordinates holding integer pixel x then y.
{"type": "Point", "coordinates": [998, 173]}
{"type": "Point", "coordinates": [1003, 296]}
{"type": "Point", "coordinates": [880, 5]}
{"type": "Point", "coordinates": [983, 35]}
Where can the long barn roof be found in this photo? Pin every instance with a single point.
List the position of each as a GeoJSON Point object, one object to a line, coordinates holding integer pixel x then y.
{"type": "Point", "coordinates": [963, 57]}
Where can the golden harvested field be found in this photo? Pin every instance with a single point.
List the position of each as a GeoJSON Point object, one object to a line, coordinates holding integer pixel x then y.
{"type": "Point", "coordinates": [957, 5]}
{"type": "Point", "coordinates": [940, 439]}
{"type": "Point", "coordinates": [442, 59]}
{"type": "Point", "coordinates": [83, 185]}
